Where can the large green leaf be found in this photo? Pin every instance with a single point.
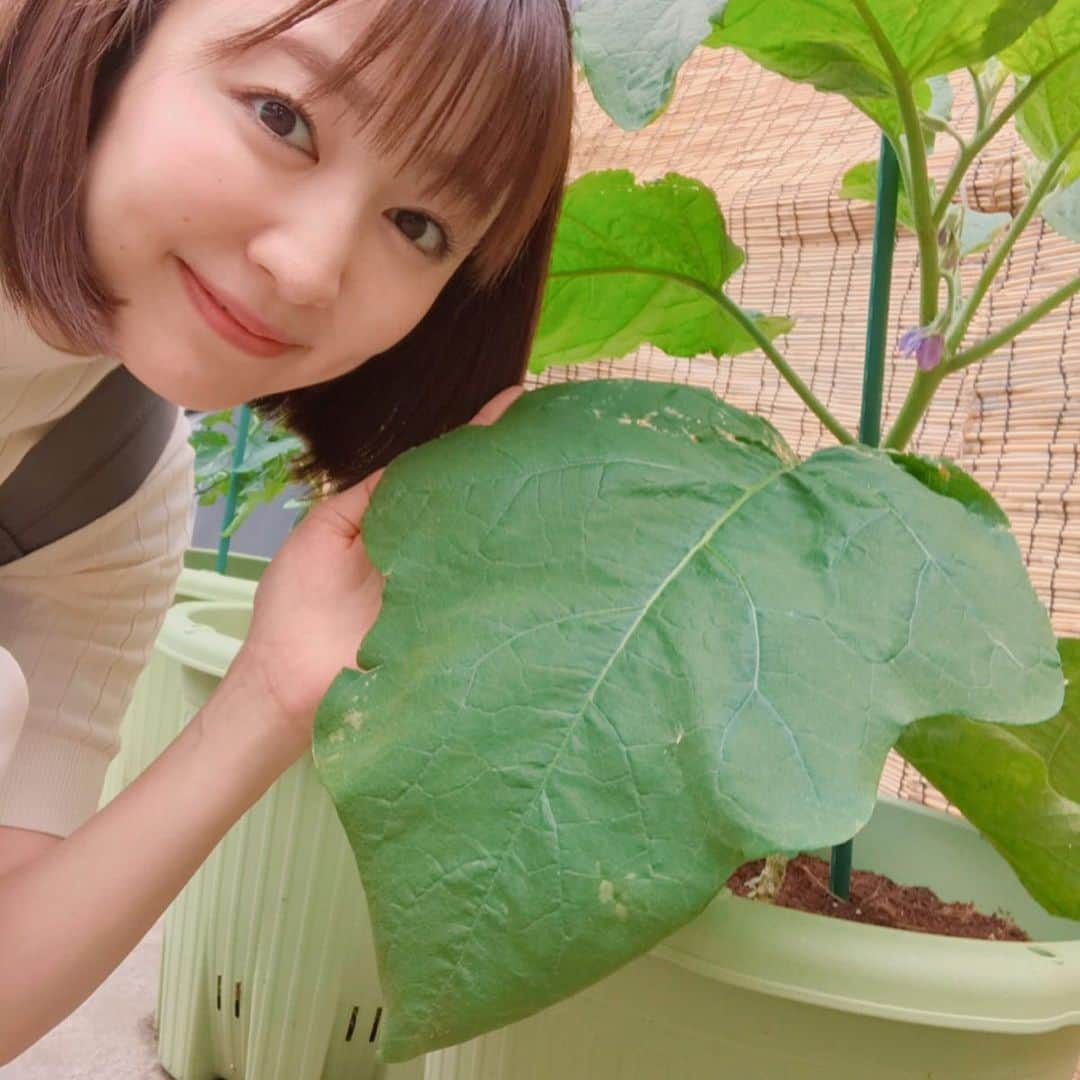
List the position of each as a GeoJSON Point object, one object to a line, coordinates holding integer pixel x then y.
{"type": "Point", "coordinates": [1020, 786]}
{"type": "Point", "coordinates": [627, 642]}
{"type": "Point", "coordinates": [631, 51]}
{"type": "Point", "coordinates": [1052, 115]}
{"type": "Point", "coordinates": [640, 263]}
{"type": "Point", "coordinates": [827, 42]}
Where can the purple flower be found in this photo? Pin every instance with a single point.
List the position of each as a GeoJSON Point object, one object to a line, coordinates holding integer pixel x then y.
{"type": "Point", "coordinates": [926, 348]}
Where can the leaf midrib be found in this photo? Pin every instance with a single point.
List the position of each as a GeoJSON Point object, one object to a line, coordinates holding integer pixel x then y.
{"type": "Point", "coordinates": [541, 788]}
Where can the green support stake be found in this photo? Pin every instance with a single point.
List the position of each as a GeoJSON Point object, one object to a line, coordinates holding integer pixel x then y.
{"type": "Point", "coordinates": [234, 485]}
{"type": "Point", "coordinates": [877, 328]}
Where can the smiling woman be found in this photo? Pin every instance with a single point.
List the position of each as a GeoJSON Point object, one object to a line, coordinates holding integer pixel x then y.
{"type": "Point", "coordinates": [341, 211]}
{"type": "Point", "coordinates": [372, 184]}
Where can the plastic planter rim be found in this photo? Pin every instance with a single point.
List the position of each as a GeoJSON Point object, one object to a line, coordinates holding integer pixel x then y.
{"type": "Point", "coordinates": [1008, 987]}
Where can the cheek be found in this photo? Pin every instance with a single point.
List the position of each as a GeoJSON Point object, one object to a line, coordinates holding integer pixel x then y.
{"type": "Point", "coordinates": [387, 309]}
{"type": "Point", "coordinates": [165, 169]}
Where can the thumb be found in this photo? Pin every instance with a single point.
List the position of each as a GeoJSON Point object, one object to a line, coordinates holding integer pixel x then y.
{"type": "Point", "coordinates": [497, 406]}
{"type": "Point", "coordinates": [346, 508]}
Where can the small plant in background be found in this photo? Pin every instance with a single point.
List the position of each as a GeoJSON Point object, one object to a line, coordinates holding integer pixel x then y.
{"type": "Point", "coordinates": [263, 472]}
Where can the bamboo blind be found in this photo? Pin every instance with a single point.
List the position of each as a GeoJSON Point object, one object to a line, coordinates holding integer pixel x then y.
{"type": "Point", "coordinates": [775, 152]}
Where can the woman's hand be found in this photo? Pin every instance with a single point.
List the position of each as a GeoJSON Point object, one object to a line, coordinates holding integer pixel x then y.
{"type": "Point", "coordinates": [317, 599]}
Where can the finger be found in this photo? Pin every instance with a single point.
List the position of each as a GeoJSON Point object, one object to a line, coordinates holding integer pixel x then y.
{"type": "Point", "coordinates": [351, 504]}
{"type": "Point", "coordinates": [497, 406]}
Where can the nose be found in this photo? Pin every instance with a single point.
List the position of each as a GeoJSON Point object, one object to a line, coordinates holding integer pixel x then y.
{"type": "Point", "coordinates": [307, 252]}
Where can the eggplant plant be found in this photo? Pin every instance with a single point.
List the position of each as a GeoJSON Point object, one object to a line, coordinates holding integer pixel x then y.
{"type": "Point", "coordinates": [629, 639]}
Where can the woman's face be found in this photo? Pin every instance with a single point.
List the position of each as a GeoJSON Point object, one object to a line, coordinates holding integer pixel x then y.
{"type": "Point", "coordinates": [204, 177]}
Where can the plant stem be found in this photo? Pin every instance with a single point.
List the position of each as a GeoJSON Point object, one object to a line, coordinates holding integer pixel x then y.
{"type": "Point", "coordinates": [946, 128]}
{"type": "Point", "coordinates": [923, 387]}
{"type": "Point", "coordinates": [767, 885]}
{"type": "Point", "coordinates": [984, 135]}
{"type": "Point", "coordinates": [980, 99]}
{"type": "Point", "coordinates": [781, 365]}
{"type": "Point", "coordinates": [986, 278]}
{"type": "Point", "coordinates": [760, 338]}
{"type": "Point", "coordinates": [1015, 329]}
{"type": "Point", "coordinates": [919, 191]}
{"type": "Point", "coordinates": [926, 383]}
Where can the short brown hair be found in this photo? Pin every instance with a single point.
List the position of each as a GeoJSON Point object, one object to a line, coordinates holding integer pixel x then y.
{"type": "Point", "coordinates": [61, 62]}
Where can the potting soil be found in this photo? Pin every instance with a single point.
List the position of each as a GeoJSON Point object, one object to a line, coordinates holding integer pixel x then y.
{"type": "Point", "coordinates": [877, 900]}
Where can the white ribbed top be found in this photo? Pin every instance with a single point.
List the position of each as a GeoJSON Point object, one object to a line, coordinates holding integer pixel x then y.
{"type": "Point", "coordinates": [79, 616]}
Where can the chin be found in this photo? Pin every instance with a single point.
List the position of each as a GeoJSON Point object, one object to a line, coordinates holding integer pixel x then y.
{"type": "Point", "coordinates": [188, 393]}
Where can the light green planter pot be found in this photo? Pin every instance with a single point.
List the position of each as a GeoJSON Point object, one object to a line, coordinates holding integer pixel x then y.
{"type": "Point", "coordinates": [764, 993]}
{"type": "Point", "coordinates": [154, 717]}
{"type": "Point", "coordinates": [268, 970]}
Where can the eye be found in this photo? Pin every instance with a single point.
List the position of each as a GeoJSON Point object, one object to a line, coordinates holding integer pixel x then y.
{"type": "Point", "coordinates": [425, 232]}
{"type": "Point", "coordinates": [284, 119]}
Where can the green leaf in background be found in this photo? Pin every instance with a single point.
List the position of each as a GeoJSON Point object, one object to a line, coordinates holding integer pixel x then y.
{"type": "Point", "coordinates": [658, 646]}
{"type": "Point", "coordinates": [631, 51]}
{"type": "Point", "coordinates": [640, 263]}
{"type": "Point", "coordinates": [213, 460]}
{"type": "Point", "coordinates": [827, 44]}
{"type": "Point", "coordinates": [860, 182]}
{"type": "Point", "coordinates": [264, 473]}
{"type": "Point", "coordinates": [1062, 211]}
{"type": "Point", "coordinates": [944, 477]}
{"type": "Point", "coordinates": [941, 98]}
{"type": "Point", "coordinates": [978, 230]}
{"type": "Point", "coordinates": [1019, 786]}
{"type": "Point", "coordinates": [976, 233]}
{"type": "Point", "coordinates": [1052, 115]}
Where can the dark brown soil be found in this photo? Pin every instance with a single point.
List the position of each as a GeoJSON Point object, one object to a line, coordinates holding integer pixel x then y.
{"type": "Point", "coordinates": [878, 901]}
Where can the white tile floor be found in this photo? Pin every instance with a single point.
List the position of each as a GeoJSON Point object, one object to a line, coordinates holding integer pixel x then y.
{"type": "Point", "coordinates": [111, 1036]}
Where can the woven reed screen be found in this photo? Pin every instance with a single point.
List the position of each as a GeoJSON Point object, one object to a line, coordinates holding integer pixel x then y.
{"type": "Point", "coordinates": [775, 153]}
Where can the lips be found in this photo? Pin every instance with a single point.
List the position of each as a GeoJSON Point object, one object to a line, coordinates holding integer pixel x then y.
{"type": "Point", "coordinates": [230, 320]}
{"type": "Point", "coordinates": [250, 322]}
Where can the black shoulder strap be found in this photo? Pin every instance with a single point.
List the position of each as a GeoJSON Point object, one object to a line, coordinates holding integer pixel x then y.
{"type": "Point", "coordinates": [88, 463]}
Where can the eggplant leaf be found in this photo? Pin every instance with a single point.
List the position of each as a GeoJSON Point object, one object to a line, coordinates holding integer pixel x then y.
{"type": "Point", "coordinates": [1019, 786]}
{"type": "Point", "coordinates": [640, 263]}
{"type": "Point", "coordinates": [628, 641]}
{"type": "Point", "coordinates": [631, 51]}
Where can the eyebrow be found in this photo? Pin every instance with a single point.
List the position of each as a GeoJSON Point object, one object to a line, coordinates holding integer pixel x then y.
{"type": "Point", "coordinates": [323, 66]}
{"type": "Point", "coordinates": [362, 102]}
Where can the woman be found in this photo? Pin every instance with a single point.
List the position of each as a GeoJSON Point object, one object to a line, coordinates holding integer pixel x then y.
{"type": "Point", "coordinates": [341, 210]}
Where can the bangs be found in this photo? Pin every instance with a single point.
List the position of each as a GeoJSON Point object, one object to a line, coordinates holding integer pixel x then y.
{"type": "Point", "coordinates": [477, 95]}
